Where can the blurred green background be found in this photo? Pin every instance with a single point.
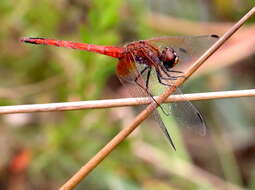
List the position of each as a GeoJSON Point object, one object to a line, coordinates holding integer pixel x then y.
{"type": "Point", "coordinates": [43, 150]}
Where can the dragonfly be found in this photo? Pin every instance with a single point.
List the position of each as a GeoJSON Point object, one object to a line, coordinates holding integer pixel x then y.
{"type": "Point", "coordinates": [148, 67]}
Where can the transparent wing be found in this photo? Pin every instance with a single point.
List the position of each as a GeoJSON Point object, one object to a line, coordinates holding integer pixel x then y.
{"type": "Point", "coordinates": [137, 88]}
{"type": "Point", "coordinates": [185, 113]}
{"type": "Point", "coordinates": [187, 116]}
{"type": "Point", "coordinates": [188, 48]}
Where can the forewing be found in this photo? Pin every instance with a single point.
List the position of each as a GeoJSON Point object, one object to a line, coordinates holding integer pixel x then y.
{"type": "Point", "coordinates": [188, 48]}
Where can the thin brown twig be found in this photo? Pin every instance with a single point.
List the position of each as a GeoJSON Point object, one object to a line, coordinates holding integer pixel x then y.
{"type": "Point", "coordinates": [108, 148]}
{"type": "Point", "coordinates": [96, 104]}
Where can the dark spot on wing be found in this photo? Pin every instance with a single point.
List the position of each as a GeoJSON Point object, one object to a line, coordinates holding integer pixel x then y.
{"type": "Point", "coordinates": [200, 117]}
{"type": "Point", "coordinates": [214, 36]}
{"type": "Point", "coordinates": [183, 50]}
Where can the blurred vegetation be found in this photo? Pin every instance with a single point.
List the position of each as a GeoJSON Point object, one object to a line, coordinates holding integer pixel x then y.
{"type": "Point", "coordinates": [42, 150]}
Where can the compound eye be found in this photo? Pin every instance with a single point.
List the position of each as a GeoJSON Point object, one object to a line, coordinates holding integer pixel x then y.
{"type": "Point", "coordinates": [169, 58]}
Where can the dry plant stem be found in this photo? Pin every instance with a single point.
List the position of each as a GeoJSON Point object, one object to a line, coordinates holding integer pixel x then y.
{"type": "Point", "coordinates": [93, 104]}
{"type": "Point", "coordinates": [107, 149]}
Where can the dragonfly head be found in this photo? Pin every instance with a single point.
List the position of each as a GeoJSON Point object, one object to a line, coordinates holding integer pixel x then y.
{"type": "Point", "coordinates": [169, 58]}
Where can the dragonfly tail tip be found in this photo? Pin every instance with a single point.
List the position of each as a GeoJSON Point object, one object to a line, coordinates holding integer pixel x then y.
{"type": "Point", "coordinates": [30, 40]}
{"type": "Point", "coordinates": [23, 39]}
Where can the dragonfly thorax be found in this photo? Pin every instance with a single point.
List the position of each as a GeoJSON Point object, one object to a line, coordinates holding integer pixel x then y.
{"type": "Point", "coordinates": [143, 53]}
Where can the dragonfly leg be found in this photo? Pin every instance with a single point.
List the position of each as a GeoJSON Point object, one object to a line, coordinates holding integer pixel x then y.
{"type": "Point", "coordinates": [165, 70]}
{"type": "Point", "coordinates": [147, 85]}
{"type": "Point", "coordinates": [171, 77]}
{"type": "Point", "coordinates": [160, 81]}
{"type": "Point", "coordinates": [173, 71]}
{"type": "Point", "coordinates": [147, 81]}
{"type": "Point", "coordinates": [159, 76]}
{"type": "Point", "coordinates": [146, 90]}
{"type": "Point", "coordinates": [148, 78]}
{"type": "Point", "coordinates": [168, 77]}
{"type": "Point", "coordinates": [140, 73]}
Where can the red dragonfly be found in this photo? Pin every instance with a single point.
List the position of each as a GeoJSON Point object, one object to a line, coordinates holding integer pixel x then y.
{"type": "Point", "coordinates": [148, 67]}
